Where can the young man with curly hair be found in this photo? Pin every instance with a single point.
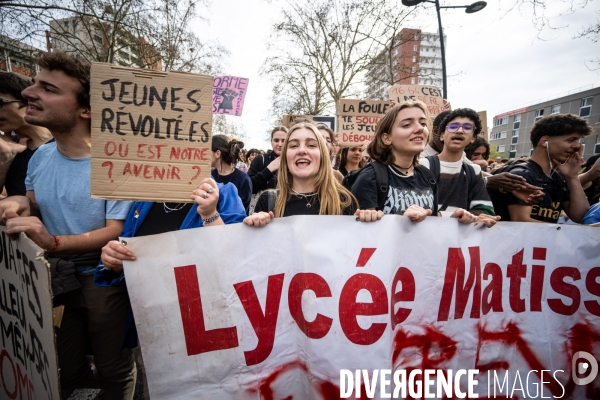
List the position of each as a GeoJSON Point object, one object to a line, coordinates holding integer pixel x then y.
{"type": "Point", "coordinates": [553, 166]}
{"type": "Point", "coordinates": [460, 183]}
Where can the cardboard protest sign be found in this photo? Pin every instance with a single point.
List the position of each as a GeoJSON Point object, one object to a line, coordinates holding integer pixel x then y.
{"type": "Point", "coordinates": [290, 120]}
{"type": "Point", "coordinates": [151, 133]}
{"type": "Point", "coordinates": [358, 120]}
{"type": "Point", "coordinates": [229, 93]}
{"type": "Point", "coordinates": [28, 361]}
{"type": "Point", "coordinates": [484, 125]}
{"type": "Point", "coordinates": [329, 294]}
{"type": "Point", "coordinates": [430, 95]}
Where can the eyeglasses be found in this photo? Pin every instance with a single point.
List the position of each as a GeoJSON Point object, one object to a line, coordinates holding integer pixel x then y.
{"type": "Point", "coordinates": [3, 102]}
{"type": "Point", "coordinates": [453, 127]}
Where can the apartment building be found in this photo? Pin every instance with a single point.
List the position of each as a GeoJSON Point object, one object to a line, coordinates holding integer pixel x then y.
{"type": "Point", "coordinates": [87, 39]}
{"type": "Point", "coordinates": [510, 132]}
{"type": "Point", "coordinates": [18, 57]}
{"type": "Point", "coordinates": [415, 59]}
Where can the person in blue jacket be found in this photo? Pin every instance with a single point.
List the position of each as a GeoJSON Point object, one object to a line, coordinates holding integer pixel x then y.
{"type": "Point", "coordinates": [214, 204]}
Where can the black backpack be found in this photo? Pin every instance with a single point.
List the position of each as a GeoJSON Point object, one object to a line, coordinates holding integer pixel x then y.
{"type": "Point", "coordinates": [434, 166]}
{"type": "Point", "coordinates": [382, 182]}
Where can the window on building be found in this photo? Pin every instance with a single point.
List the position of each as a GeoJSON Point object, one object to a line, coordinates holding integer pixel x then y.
{"type": "Point", "coordinates": [512, 154]}
{"type": "Point", "coordinates": [97, 38]}
{"type": "Point", "coordinates": [513, 147]}
{"type": "Point", "coordinates": [501, 148]}
{"type": "Point", "coordinates": [414, 59]}
{"type": "Point", "coordinates": [586, 108]}
{"type": "Point", "coordinates": [413, 70]}
{"type": "Point", "coordinates": [67, 24]}
{"type": "Point", "coordinates": [514, 140]}
{"type": "Point", "coordinates": [597, 148]}
{"type": "Point", "coordinates": [415, 47]}
{"type": "Point", "coordinates": [396, 52]}
{"type": "Point", "coordinates": [539, 114]}
{"type": "Point", "coordinates": [555, 109]}
{"type": "Point", "coordinates": [416, 36]}
{"type": "Point", "coordinates": [517, 123]}
{"type": "Point", "coordinates": [503, 135]}
{"type": "Point", "coordinates": [412, 81]}
{"type": "Point", "coordinates": [515, 133]}
{"type": "Point", "coordinates": [501, 121]}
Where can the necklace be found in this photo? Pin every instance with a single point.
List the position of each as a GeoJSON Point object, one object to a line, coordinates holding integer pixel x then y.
{"type": "Point", "coordinates": [176, 208]}
{"type": "Point", "coordinates": [402, 168]}
{"type": "Point", "coordinates": [306, 197]}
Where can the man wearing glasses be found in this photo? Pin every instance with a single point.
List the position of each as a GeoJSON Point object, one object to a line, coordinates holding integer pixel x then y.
{"type": "Point", "coordinates": [460, 184]}
{"type": "Point", "coordinates": [19, 139]}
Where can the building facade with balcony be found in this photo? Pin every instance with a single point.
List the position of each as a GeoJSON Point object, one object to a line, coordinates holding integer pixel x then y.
{"type": "Point", "coordinates": [18, 57]}
{"type": "Point", "coordinates": [415, 59]}
{"type": "Point", "coordinates": [510, 132]}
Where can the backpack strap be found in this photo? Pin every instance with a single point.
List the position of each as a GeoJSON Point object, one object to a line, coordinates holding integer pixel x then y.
{"type": "Point", "coordinates": [382, 182]}
{"type": "Point", "coordinates": [271, 197]}
{"type": "Point", "coordinates": [434, 166]}
{"type": "Point", "coordinates": [432, 182]}
{"type": "Point", "coordinates": [471, 178]}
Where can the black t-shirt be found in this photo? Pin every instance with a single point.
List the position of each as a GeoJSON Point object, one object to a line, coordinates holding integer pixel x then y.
{"type": "Point", "coordinates": [404, 191]}
{"type": "Point", "coordinates": [159, 221]}
{"type": "Point", "coordinates": [298, 205]}
{"type": "Point", "coordinates": [343, 171]}
{"type": "Point", "coordinates": [555, 192]}
{"type": "Point", "coordinates": [17, 172]}
{"type": "Point", "coordinates": [242, 182]}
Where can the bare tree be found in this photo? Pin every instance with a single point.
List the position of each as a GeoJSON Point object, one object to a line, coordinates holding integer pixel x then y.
{"type": "Point", "coordinates": [136, 33]}
{"type": "Point", "coordinates": [168, 29]}
{"type": "Point", "coordinates": [228, 125]}
{"type": "Point", "coordinates": [330, 43]}
{"type": "Point", "coordinates": [391, 40]}
{"type": "Point", "coordinates": [296, 91]}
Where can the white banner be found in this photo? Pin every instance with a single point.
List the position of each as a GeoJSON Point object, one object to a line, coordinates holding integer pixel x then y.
{"type": "Point", "coordinates": [28, 362]}
{"type": "Point", "coordinates": [235, 312]}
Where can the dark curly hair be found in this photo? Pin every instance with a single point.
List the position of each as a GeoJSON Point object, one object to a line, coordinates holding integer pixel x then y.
{"type": "Point", "coordinates": [71, 66]}
{"type": "Point", "coordinates": [13, 84]}
{"type": "Point", "coordinates": [559, 125]}
{"type": "Point", "coordinates": [479, 141]}
{"type": "Point", "coordinates": [464, 113]}
{"type": "Point", "coordinates": [439, 118]}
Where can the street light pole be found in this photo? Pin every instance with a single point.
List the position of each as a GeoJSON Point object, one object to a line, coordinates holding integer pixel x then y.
{"type": "Point", "coordinates": [470, 9]}
{"type": "Point", "coordinates": [442, 47]}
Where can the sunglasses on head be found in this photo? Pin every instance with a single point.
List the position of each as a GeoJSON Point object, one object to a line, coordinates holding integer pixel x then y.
{"type": "Point", "coordinates": [453, 127]}
{"type": "Point", "coordinates": [3, 102]}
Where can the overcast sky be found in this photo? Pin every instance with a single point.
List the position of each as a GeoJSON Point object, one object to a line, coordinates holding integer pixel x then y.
{"type": "Point", "coordinates": [496, 62]}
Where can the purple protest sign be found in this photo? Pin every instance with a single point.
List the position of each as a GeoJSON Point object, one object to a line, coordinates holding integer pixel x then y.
{"type": "Point", "coordinates": [229, 93]}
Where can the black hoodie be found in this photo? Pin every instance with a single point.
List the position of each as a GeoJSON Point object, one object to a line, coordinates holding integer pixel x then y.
{"type": "Point", "coordinates": [260, 175]}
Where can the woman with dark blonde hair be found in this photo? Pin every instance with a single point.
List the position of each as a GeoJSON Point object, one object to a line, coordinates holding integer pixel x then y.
{"type": "Point", "coordinates": [306, 184]}
{"type": "Point", "coordinates": [399, 139]}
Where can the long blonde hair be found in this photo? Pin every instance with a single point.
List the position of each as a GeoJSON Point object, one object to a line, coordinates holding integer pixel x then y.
{"type": "Point", "coordinates": [332, 195]}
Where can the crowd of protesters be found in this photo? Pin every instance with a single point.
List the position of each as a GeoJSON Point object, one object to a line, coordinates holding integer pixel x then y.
{"type": "Point", "coordinates": [414, 167]}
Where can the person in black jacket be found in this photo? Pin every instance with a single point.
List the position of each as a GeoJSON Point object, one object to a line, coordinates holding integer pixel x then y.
{"type": "Point", "coordinates": [263, 170]}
